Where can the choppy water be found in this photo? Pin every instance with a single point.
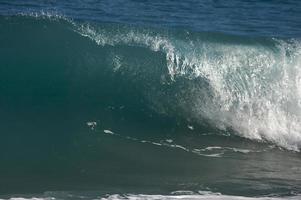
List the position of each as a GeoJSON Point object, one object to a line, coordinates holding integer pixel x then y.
{"type": "Point", "coordinates": [149, 100]}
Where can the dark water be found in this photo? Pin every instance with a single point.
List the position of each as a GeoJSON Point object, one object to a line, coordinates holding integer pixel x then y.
{"type": "Point", "coordinates": [150, 100]}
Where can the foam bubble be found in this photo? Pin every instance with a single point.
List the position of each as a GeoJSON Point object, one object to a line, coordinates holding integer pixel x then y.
{"type": "Point", "coordinates": [108, 132]}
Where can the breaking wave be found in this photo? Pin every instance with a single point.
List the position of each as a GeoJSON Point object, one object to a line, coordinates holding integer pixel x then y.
{"type": "Point", "coordinates": [249, 86]}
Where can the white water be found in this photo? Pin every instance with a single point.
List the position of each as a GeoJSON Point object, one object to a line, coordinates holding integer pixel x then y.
{"type": "Point", "coordinates": [192, 197]}
{"type": "Point", "coordinates": [184, 195]}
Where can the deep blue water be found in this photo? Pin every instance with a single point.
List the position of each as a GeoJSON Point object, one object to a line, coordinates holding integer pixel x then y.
{"type": "Point", "coordinates": [150, 100]}
{"type": "Point", "coordinates": [253, 17]}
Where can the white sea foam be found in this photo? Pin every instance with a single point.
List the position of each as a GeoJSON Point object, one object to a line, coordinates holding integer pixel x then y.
{"type": "Point", "coordinates": [108, 132]}
{"type": "Point", "coordinates": [217, 151]}
{"type": "Point", "coordinates": [52, 15]}
{"type": "Point", "coordinates": [180, 194]}
{"type": "Point", "coordinates": [211, 151]}
{"type": "Point", "coordinates": [169, 140]}
{"type": "Point", "coordinates": [92, 125]}
{"type": "Point", "coordinates": [190, 127]}
{"type": "Point", "coordinates": [207, 196]}
{"type": "Point", "coordinates": [186, 195]}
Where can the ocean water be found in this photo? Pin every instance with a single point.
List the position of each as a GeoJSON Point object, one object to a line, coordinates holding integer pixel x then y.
{"type": "Point", "coordinates": [150, 100]}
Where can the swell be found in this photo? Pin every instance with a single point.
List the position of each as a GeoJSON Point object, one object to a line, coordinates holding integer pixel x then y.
{"type": "Point", "coordinates": [250, 86]}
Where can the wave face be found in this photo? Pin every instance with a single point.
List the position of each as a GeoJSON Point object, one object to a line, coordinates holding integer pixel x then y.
{"type": "Point", "coordinates": [247, 85]}
{"type": "Point", "coordinates": [89, 106]}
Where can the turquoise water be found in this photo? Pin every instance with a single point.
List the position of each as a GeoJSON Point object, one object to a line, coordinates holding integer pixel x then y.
{"type": "Point", "coordinates": [99, 107]}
